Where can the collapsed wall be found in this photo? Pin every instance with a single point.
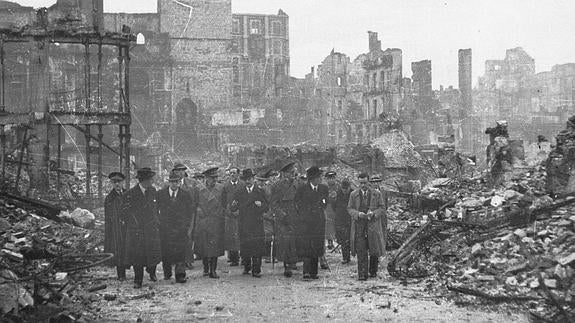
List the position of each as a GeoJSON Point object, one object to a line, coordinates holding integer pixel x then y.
{"type": "Point", "coordinates": [561, 162]}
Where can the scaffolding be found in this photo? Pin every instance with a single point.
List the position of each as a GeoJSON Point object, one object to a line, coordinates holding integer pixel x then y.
{"type": "Point", "coordinates": [89, 117]}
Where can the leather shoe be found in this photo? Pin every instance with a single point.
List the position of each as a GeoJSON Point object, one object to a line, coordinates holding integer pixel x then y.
{"type": "Point", "coordinates": [246, 272]}
{"type": "Point", "coordinates": [288, 273]}
{"type": "Point", "coordinates": [206, 274]}
{"type": "Point", "coordinates": [306, 276]}
{"type": "Point", "coordinates": [214, 275]}
{"type": "Point", "coordinates": [167, 277]}
{"type": "Point", "coordinates": [345, 262]}
{"type": "Point", "coordinates": [257, 275]}
{"type": "Point", "coordinates": [362, 278]}
{"type": "Point", "coordinates": [137, 285]}
{"type": "Point", "coordinates": [153, 277]}
{"type": "Point", "coordinates": [314, 276]}
{"type": "Point", "coordinates": [181, 280]}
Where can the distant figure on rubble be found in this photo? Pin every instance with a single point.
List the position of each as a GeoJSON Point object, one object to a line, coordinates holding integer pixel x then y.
{"type": "Point", "coordinates": [140, 209]}
{"type": "Point", "coordinates": [283, 206]}
{"type": "Point", "coordinates": [343, 219]}
{"type": "Point", "coordinates": [251, 203]}
{"type": "Point", "coordinates": [232, 239]}
{"type": "Point", "coordinates": [115, 227]}
{"type": "Point", "coordinates": [189, 185]}
{"type": "Point", "coordinates": [175, 205]}
{"type": "Point", "coordinates": [209, 239]}
{"type": "Point", "coordinates": [367, 210]}
{"type": "Point", "coordinates": [311, 201]}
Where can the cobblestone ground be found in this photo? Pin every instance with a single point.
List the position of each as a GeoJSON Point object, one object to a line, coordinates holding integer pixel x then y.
{"type": "Point", "coordinates": [337, 296]}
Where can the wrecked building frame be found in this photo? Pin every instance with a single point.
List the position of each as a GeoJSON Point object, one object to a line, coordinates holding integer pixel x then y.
{"type": "Point", "coordinates": [43, 113]}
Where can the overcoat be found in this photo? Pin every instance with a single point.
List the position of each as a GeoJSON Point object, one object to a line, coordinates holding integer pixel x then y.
{"type": "Point", "coordinates": [142, 227]}
{"type": "Point", "coordinates": [232, 238]}
{"type": "Point", "coordinates": [282, 203]}
{"type": "Point", "coordinates": [210, 222]}
{"type": "Point", "coordinates": [330, 212]}
{"type": "Point", "coordinates": [342, 217]}
{"type": "Point", "coordinates": [175, 218]}
{"type": "Point", "coordinates": [114, 227]}
{"type": "Point", "coordinates": [251, 221]}
{"type": "Point", "coordinates": [310, 206]}
{"type": "Point", "coordinates": [375, 232]}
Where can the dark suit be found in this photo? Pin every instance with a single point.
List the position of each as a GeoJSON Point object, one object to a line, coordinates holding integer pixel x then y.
{"type": "Point", "coordinates": [142, 230]}
{"type": "Point", "coordinates": [175, 219]}
{"type": "Point", "coordinates": [115, 230]}
{"type": "Point", "coordinates": [310, 205]}
{"type": "Point", "coordinates": [251, 226]}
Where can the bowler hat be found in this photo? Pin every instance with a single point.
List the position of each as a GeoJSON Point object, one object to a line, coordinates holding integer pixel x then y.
{"type": "Point", "coordinates": [313, 172]}
{"type": "Point", "coordinates": [116, 176]}
{"type": "Point", "coordinates": [247, 173]}
{"type": "Point", "coordinates": [145, 173]}
{"type": "Point", "coordinates": [211, 172]}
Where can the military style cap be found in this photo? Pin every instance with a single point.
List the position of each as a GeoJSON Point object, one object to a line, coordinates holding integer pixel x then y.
{"type": "Point", "coordinates": [174, 177]}
{"type": "Point", "coordinates": [331, 173]}
{"type": "Point", "coordinates": [211, 172]}
{"type": "Point", "coordinates": [287, 167]}
{"type": "Point", "coordinates": [116, 176]}
{"type": "Point", "coordinates": [179, 166]}
{"type": "Point", "coordinates": [313, 172]}
{"type": "Point", "coordinates": [145, 173]}
{"type": "Point", "coordinates": [376, 179]}
{"type": "Point", "coordinates": [247, 173]}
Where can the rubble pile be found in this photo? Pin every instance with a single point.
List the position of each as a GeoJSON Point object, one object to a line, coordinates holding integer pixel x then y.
{"type": "Point", "coordinates": [40, 262]}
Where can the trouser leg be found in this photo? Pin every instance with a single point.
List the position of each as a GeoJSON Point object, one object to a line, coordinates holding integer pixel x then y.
{"type": "Point", "coordinates": [138, 274]}
{"type": "Point", "coordinates": [121, 271]}
{"type": "Point", "coordinates": [206, 263]}
{"type": "Point", "coordinates": [373, 265]}
{"type": "Point", "coordinates": [167, 267]}
{"type": "Point", "coordinates": [306, 266]}
{"type": "Point", "coordinates": [256, 265]}
{"type": "Point", "coordinates": [180, 270]}
{"type": "Point", "coordinates": [345, 250]}
{"type": "Point", "coordinates": [313, 266]}
{"type": "Point", "coordinates": [361, 248]}
{"type": "Point", "coordinates": [234, 256]}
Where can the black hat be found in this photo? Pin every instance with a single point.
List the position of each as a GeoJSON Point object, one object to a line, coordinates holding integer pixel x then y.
{"type": "Point", "coordinates": [331, 173]}
{"type": "Point", "coordinates": [247, 173]}
{"type": "Point", "coordinates": [145, 173]}
{"type": "Point", "coordinates": [313, 172]}
{"type": "Point", "coordinates": [287, 167]}
{"type": "Point", "coordinates": [363, 175]}
{"type": "Point", "coordinates": [179, 166]}
{"type": "Point", "coordinates": [174, 177]}
{"type": "Point", "coordinates": [116, 176]}
{"type": "Point", "coordinates": [211, 172]}
{"type": "Point", "coordinates": [376, 179]}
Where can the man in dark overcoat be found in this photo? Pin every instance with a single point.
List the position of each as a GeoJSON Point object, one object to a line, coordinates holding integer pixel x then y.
{"type": "Point", "coordinates": [282, 202]}
{"type": "Point", "coordinates": [311, 200]}
{"type": "Point", "coordinates": [115, 227]}
{"type": "Point", "coordinates": [176, 213]}
{"type": "Point", "coordinates": [366, 207]}
{"type": "Point", "coordinates": [232, 238]}
{"type": "Point", "coordinates": [140, 209]}
{"type": "Point", "coordinates": [343, 219]}
{"type": "Point", "coordinates": [251, 203]}
{"type": "Point", "coordinates": [210, 225]}
{"type": "Point", "coordinates": [189, 185]}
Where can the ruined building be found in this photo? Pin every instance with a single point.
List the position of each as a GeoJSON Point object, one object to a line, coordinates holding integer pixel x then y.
{"type": "Point", "coordinates": [465, 82]}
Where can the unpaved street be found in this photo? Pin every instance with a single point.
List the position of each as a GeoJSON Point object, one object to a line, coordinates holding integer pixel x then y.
{"type": "Point", "coordinates": [336, 296]}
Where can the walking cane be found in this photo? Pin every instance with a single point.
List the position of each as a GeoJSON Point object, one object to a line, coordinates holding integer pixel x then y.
{"type": "Point", "coordinates": [273, 241]}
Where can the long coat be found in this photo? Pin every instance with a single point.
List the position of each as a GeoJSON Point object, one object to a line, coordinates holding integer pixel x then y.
{"type": "Point", "coordinates": [175, 218]}
{"type": "Point", "coordinates": [142, 227]}
{"type": "Point", "coordinates": [269, 226]}
{"type": "Point", "coordinates": [251, 221]}
{"type": "Point", "coordinates": [310, 205]}
{"type": "Point", "coordinates": [114, 227]}
{"type": "Point", "coordinates": [375, 232]}
{"type": "Point", "coordinates": [210, 222]}
{"type": "Point", "coordinates": [282, 202]}
{"type": "Point", "coordinates": [232, 237]}
{"type": "Point", "coordinates": [330, 229]}
{"type": "Point", "coordinates": [342, 217]}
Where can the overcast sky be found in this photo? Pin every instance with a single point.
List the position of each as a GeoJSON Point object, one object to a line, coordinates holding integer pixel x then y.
{"type": "Point", "coordinates": [423, 29]}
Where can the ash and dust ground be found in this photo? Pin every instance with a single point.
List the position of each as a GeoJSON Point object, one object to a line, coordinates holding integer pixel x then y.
{"type": "Point", "coordinates": [337, 296]}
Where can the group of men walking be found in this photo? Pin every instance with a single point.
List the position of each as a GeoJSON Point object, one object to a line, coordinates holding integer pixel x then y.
{"type": "Point", "coordinates": [200, 217]}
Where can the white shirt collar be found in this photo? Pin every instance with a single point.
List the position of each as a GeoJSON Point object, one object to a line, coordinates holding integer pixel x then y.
{"type": "Point", "coordinates": [313, 187]}
{"type": "Point", "coordinates": [142, 188]}
{"type": "Point", "coordinates": [172, 192]}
